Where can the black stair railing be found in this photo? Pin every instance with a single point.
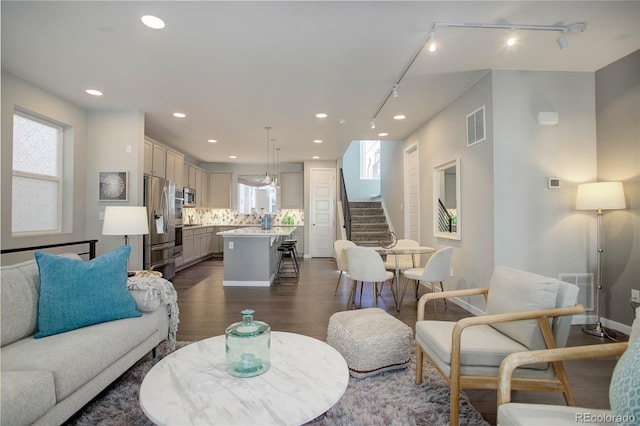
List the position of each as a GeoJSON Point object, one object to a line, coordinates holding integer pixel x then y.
{"type": "Point", "coordinates": [346, 211]}
{"type": "Point", "coordinates": [445, 220]}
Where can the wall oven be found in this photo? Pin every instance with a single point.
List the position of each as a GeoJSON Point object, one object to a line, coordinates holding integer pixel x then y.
{"type": "Point", "coordinates": [178, 246]}
{"type": "Point", "coordinates": [179, 204]}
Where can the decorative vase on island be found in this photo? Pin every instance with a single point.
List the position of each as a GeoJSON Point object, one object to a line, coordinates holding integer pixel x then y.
{"type": "Point", "coordinates": [266, 221]}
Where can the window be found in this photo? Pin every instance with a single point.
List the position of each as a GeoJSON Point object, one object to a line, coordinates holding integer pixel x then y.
{"type": "Point", "coordinates": [370, 160]}
{"type": "Point", "coordinates": [37, 175]}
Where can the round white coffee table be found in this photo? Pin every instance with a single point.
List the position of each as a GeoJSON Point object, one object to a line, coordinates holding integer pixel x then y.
{"type": "Point", "coordinates": [191, 387]}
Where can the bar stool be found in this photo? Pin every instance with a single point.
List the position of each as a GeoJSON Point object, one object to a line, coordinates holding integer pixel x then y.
{"type": "Point", "coordinates": [293, 243]}
{"type": "Point", "coordinates": [287, 250]}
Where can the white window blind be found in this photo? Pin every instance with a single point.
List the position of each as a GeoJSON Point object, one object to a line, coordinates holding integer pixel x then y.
{"type": "Point", "coordinates": [37, 175]}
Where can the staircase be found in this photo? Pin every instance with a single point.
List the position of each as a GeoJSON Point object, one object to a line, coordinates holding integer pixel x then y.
{"type": "Point", "coordinates": [368, 223]}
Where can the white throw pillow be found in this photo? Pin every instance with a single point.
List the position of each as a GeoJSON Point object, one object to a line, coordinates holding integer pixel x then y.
{"type": "Point", "coordinates": [512, 290]}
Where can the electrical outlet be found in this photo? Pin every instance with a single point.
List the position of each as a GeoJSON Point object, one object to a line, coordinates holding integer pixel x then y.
{"type": "Point", "coordinates": [230, 245]}
{"type": "Point", "coordinates": [451, 271]}
{"type": "Point", "coordinates": [635, 296]}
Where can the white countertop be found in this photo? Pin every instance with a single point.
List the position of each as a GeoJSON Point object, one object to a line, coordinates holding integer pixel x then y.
{"type": "Point", "coordinates": [257, 231]}
{"type": "Point", "coordinates": [228, 226]}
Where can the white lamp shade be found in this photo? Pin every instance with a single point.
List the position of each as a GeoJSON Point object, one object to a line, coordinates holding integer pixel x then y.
{"type": "Point", "coordinates": [125, 220]}
{"type": "Point", "coordinates": [600, 195]}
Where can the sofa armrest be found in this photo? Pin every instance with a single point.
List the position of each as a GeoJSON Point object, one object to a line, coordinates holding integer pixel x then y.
{"type": "Point", "coordinates": [446, 294]}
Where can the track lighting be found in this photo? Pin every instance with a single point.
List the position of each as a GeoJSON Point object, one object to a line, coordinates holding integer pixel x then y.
{"type": "Point", "coordinates": [373, 123]}
{"type": "Point", "coordinates": [562, 42]}
{"type": "Point", "coordinates": [394, 92]}
{"type": "Point", "coordinates": [432, 42]}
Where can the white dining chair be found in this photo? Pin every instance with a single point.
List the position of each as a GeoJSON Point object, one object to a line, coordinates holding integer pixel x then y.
{"type": "Point", "coordinates": [405, 261]}
{"type": "Point", "coordinates": [339, 249]}
{"type": "Point", "coordinates": [435, 270]}
{"type": "Point", "coordinates": [365, 265]}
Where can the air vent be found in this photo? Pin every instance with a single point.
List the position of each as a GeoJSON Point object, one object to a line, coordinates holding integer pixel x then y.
{"type": "Point", "coordinates": [584, 281]}
{"type": "Point", "coordinates": [476, 127]}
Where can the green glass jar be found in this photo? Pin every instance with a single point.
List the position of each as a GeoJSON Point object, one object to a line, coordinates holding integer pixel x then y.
{"type": "Point", "coordinates": [248, 346]}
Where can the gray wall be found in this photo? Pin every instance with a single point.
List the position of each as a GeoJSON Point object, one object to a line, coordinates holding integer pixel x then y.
{"type": "Point", "coordinates": [19, 93]}
{"type": "Point", "coordinates": [508, 214]}
{"type": "Point", "coordinates": [618, 130]}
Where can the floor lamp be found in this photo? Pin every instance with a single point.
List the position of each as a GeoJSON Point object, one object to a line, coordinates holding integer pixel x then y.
{"type": "Point", "coordinates": [125, 220]}
{"type": "Point", "coordinates": [599, 196]}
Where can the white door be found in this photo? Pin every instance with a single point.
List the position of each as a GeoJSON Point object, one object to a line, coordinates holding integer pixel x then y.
{"type": "Point", "coordinates": [412, 193]}
{"type": "Point", "coordinates": [322, 201]}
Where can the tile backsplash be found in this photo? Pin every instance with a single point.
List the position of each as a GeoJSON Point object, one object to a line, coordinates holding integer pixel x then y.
{"type": "Point", "coordinates": [200, 216]}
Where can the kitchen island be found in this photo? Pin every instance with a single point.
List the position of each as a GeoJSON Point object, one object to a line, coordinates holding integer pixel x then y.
{"type": "Point", "coordinates": [251, 255]}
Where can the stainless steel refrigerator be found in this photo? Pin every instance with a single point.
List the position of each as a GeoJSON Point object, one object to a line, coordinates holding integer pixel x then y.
{"type": "Point", "coordinates": [159, 244]}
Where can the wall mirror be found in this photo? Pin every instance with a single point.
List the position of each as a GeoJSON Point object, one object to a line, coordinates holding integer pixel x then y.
{"type": "Point", "coordinates": [446, 200]}
{"type": "Point", "coordinates": [254, 196]}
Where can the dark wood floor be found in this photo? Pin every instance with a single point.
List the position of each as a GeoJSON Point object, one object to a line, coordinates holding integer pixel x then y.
{"type": "Point", "coordinates": [206, 309]}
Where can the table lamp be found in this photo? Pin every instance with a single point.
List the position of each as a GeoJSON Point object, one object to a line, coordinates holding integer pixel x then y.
{"type": "Point", "coordinates": [125, 220]}
{"type": "Point", "coordinates": [599, 196]}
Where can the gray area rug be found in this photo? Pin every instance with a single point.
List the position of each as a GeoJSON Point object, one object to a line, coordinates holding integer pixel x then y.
{"type": "Point", "coordinates": [390, 398]}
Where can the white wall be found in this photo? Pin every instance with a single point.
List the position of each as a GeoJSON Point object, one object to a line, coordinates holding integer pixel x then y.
{"type": "Point", "coordinates": [537, 228]}
{"type": "Point", "coordinates": [111, 134]}
{"type": "Point", "coordinates": [357, 189]}
{"type": "Point", "coordinates": [17, 93]}
{"type": "Point", "coordinates": [508, 215]}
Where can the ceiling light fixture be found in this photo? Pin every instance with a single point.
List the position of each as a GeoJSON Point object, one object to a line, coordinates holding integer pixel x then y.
{"type": "Point", "coordinates": [394, 92]}
{"type": "Point", "coordinates": [317, 141]}
{"type": "Point", "coordinates": [399, 117]}
{"type": "Point", "coordinates": [94, 92]}
{"type": "Point", "coordinates": [373, 123]}
{"type": "Point", "coordinates": [430, 42]}
{"type": "Point", "coordinates": [383, 134]}
{"type": "Point", "coordinates": [233, 156]}
{"type": "Point", "coordinates": [179, 115]}
{"type": "Point", "coordinates": [315, 157]}
{"type": "Point", "coordinates": [212, 141]}
{"type": "Point", "coordinates": [321, 115]}
{"type": "Point", "coordinates": [267, 178]}
{"type": "Point", "coordinates": [152, 22]}
{"type": "Point", "coordinates": [511, 41]}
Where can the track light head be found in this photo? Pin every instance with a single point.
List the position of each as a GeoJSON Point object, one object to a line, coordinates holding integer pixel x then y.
{"type": "Point", "coordinates": [562, 42]}
{"type": "Point", "coordinates": [432, 42]}
{"type": "Point", "coordinates": [373, 123]}
{"type": "Point", "coordinates": [394, 92]}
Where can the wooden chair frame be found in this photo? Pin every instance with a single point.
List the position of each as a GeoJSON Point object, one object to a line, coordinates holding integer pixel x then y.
{"type": "Point", "coordinates": [457, 381]}
{"type": "Point", "coordinates": [515, 360]}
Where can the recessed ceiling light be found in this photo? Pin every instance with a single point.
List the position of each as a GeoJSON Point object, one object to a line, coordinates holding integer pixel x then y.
{"type": "Point", "coordinates": [212, 141]}
{"type": "Point", "coordinates": [152, 22]}
{"type": "Point", "coordinates": [399, 117]}
{"type": "Point", "coordinates": [383, 134]}
{"type": "Point", "coordinates": [179, 115]}
{"type": "Point", "coordinates": [315, 157]}
{"type": "Point", "coordinates": [233, 156]}
{"type": "Point", "coordinates": [317, 141]}
{"type": "Point", "coordinates": [321, 115]}
{"type": "Point", "coordinates": [94, 92]}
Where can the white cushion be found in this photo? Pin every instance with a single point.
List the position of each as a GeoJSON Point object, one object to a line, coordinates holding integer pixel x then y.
{"type": "Point", "coordinates": [513, 414]}
{"type": "Point", "coordinates": [512, 290]}
{"type": "Point", "coordinates": [481, 345]}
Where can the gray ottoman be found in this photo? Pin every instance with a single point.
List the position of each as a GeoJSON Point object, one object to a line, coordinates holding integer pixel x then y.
{"type": "Point", "coordinates": [370, 340]}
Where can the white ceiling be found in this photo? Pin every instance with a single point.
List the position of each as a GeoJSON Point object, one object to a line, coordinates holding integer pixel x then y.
{"type": "Point", "coordinates": [236, 67]}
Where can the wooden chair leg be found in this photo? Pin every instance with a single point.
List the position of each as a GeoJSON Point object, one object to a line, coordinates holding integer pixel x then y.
{"type": "Point", "coordinates": [442, 289]}
{"type": "Point", "coordinates": [338, 283]}
{"type": "Point", "coordinates": [352, 295]}
{"type": "Point", "coordinates": [419, 357]}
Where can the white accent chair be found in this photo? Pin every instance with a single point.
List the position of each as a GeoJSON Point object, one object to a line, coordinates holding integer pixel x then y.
{"type": "Point", "coordinates": [514, 413]}
{"type": "Point", "coordinates": [435, 270]}
{"type": "Point", "coordinates": [366, 265]}
{"type": "Point", "coordinates": [525, 312]}
{"type": "Point", "coordinates": [340, 251]}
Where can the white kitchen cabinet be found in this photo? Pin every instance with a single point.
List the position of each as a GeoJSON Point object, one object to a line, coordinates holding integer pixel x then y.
{"type": "Point", "coordinates": [174, 167]}
{"type": "Point", "coordinates": [148, 154]}
{"type": "Point", "coordinates": [192, 177]}
{"type": "Point", "coordinates": [188, 253]}
{"type": "Point", "coordinates": [199, 242]}
{"type": "Point", "coordinates": [210, 240]}
{"type": "Point", "coordinates": [298, 235]}
{"type": "Point", "coordinates": [291, 191]}
{"type": "Point", "coordinates": [220, 190]}
{"type": "Point", "coordinates": [159, 161]}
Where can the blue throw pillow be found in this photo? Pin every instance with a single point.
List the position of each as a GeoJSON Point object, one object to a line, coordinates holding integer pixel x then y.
{"type": "Point", "coordinates": [624, 390]}
{"type": "Point", "coordinates": [75, 294]}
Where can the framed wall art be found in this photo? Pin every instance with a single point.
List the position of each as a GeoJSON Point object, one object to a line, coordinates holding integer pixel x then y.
{"type": "Point", "coordinates": [114, 186]}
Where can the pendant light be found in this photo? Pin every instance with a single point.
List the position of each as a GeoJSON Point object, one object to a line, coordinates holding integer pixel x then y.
{"type": "Point", "coordinates": [274, 181]}
{"type": "Point", "coordinates": [267, 178]}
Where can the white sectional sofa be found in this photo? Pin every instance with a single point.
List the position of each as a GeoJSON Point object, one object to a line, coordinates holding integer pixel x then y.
{"type": "Point", "coordinates": [45, 381]}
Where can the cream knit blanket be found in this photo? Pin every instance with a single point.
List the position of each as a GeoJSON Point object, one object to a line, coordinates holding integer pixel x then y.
{"type": "Point", "coordinates": [154, 287]}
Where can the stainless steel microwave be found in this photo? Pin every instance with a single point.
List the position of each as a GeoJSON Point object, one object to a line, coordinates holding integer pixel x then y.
{"type": "Point", "coordinates": [189, 195]}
